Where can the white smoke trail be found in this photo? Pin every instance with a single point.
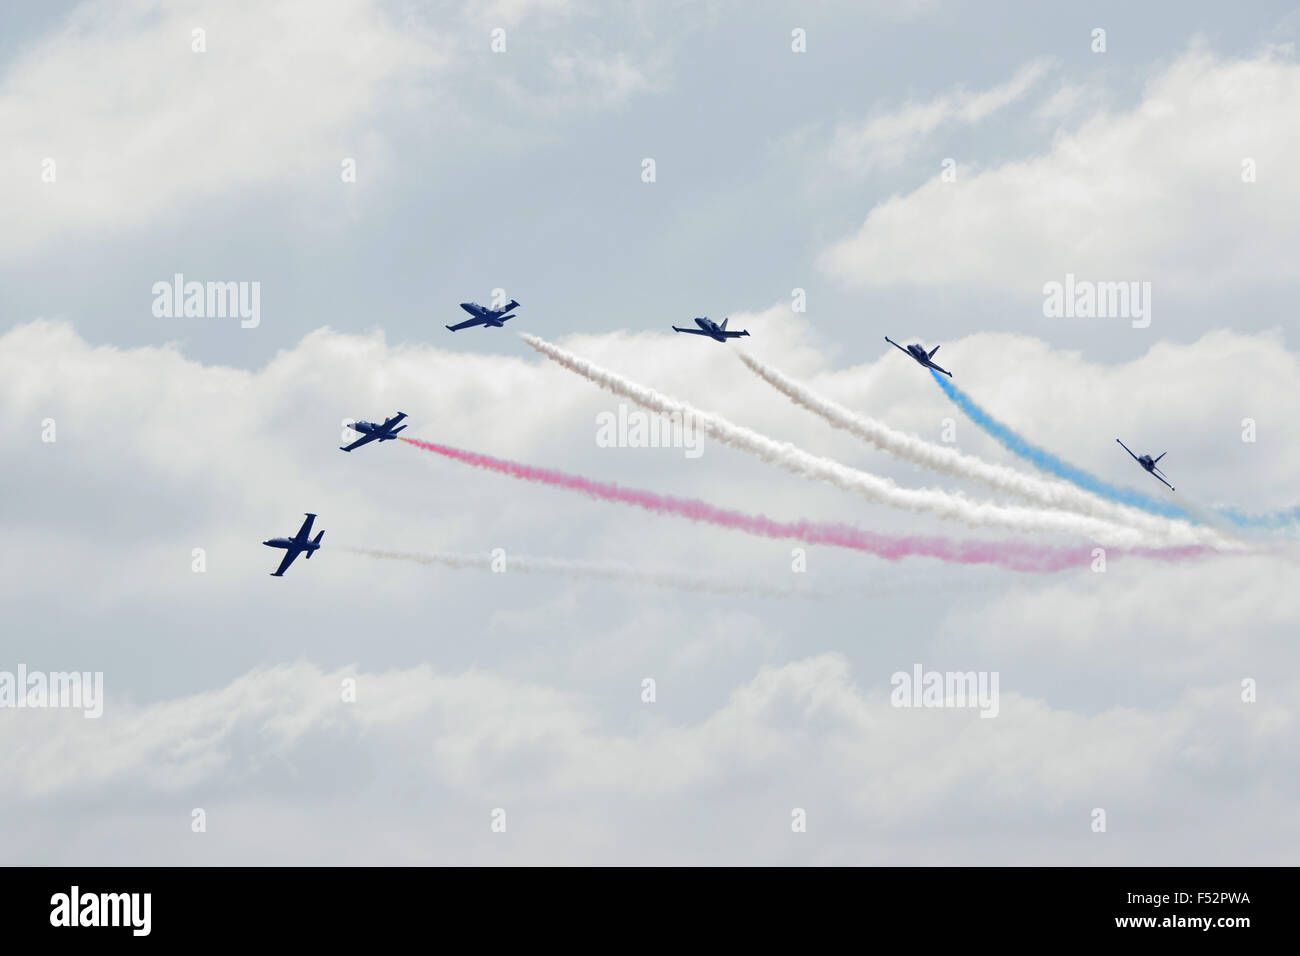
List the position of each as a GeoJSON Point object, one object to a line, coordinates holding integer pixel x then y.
{"type": "Point", "coordinates": [603, 571]}
{"type": "Point", "coordinates": [943, 504]}
{"type": "Point", "coordinates": [677, 580]}
{"type": "Point", "coordinates": [1051, 494]}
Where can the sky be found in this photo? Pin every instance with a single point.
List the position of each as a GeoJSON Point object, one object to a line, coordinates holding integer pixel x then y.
{"type": "Point", "coordinates": [626, 687]}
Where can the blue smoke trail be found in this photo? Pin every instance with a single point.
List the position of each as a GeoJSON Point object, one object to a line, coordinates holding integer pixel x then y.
{"type": "Point", "coordinates": [1050, 463]}
{"type": "Point", "coordinates": [1125, 496]}
{"type": "Point", "coordinates": [1277, 519]}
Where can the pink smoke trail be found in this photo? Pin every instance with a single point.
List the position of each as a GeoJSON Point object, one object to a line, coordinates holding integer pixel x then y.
{"type": "Point", "coordinates": [1008, 554]}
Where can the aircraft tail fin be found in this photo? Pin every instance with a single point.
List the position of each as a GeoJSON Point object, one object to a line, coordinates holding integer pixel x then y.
{"type": "Point", "coordinates": [724, 324]}
{"type": "Point", "coordinates": [1162, 455]}
{"type": "Point", "coordinates": [316, 542]}
{"type": "Point", "coordinates": [514, 304]}
{"type": "Point", "coordinates": [932, 351]}
{"type": "Point", "coordinates": [397, 429]}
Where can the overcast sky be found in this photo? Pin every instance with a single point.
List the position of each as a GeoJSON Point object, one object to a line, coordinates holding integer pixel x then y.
{"type": "Point", "coordinates": [920, 170]}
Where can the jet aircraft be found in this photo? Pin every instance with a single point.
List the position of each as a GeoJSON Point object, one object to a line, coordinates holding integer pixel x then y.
{"type": "Point", "coordinates": [482, 315]}
{"type": "Point", "coordinates": [294, 546]}
{"type": "Point", "coordinates": [1149, 463]}
{"type": "Point", "coordinates": [370, 431]}
{"type": "Point", "coordinates": [920, 354]}
{"type": "Point", "coordinates": [712, 329]}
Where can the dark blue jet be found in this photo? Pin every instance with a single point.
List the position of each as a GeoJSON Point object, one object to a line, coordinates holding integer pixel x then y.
{"type": "Point", "coordinates": [920, 354]}
{"type": "Point", "coordinates": [712, 329]}
{"type": "Point", "coordinates": [485, 316]}
{"type": "Point", "coordinates": [300, 542]}
{"type": "Point", "coordinates": [1149, 463]}
{"type": "Point", "coordinates": [373, 432]}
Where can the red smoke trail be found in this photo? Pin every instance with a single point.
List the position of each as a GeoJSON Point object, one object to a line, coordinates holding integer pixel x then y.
{"type": "Point", "coordinates": [1007, 554]}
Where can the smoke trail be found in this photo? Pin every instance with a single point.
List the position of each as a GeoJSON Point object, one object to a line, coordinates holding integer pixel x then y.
{"type": "Point", "coordinates": [1053, 494]}
{"type": "Point", "coordinates": [691, 581]}
{"type": "Point", "coordinates": [620, 573]}
{"type": "Point", "coordinates": [1007, 554]}
{"type": "Point", "coordinates": [1125, 496]}
{"type": "Point", "coordinates": [872, 487]}
{"type": "Point", "coordinates": [1274, 519]}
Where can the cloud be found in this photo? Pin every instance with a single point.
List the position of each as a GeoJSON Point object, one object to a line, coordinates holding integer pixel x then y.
{"type": "Point", "coordinates": [284, 91]}
{"type": "Point", "coordinates": [615, 78]}
{"type": "Point", "coordinates": [1067, 98]}
{"type": "Point", "coordinates": [1213, 622]}
{"type": "Point", "coordinates": [1154, 194]}
{"type": "Point", "coordinates": [137, 123]}
{"type": "Point", "coordinates": [510, 13]}
{"type": "Point", "coordinates": [887, 139]}
{"type": "Point", "coordinates": [491, 741]}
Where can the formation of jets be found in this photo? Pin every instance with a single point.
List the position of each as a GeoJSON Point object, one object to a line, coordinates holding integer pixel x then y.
{"type": "Point", "coordinates": [300, 542]}
{"type": "Point", "coordinates": [496, 318]}
{"type": "Point", "coordinates": [712, 329]}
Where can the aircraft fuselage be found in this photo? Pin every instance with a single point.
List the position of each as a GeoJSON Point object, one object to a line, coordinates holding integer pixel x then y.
{"type": "Point", "coordinates": [287, 543]}
{"type": "Point", "coordinates": [711, 327]}
{"type": "Point", "coordinates": [371, 428]}
{"type": "Point", "coordinates": [492, 317]}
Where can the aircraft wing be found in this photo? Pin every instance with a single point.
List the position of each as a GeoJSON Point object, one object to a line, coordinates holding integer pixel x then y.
{"type": "Point", "coordinates": [897, 346]}
{"type": "Point", "coordinates": [1158, 478]}
{"type": "Point", "coordinates": [1127, 449]}
{"type": "Point", "coordinates": [287, 560]}
{"type": "Point", "coordinates": [389, 423]}
{"type": "Point", "coordinates": [692, 331]}
{"type": "Point", "coordinates": [305, 531]}
{"type": "Point", "coordinates": [938, 369]}
{"type": "Point", "coordinates": [364, 439]}
{"type": "Point", "coordinates": [465, 325]}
